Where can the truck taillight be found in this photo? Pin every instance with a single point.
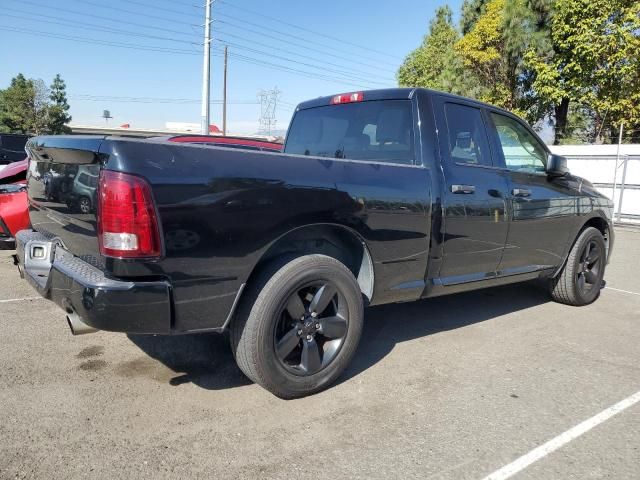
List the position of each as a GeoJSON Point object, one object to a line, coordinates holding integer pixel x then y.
{"type": "Point", "coordinates": [347, 98]}
{"type": "Point", "coordinates": [127, 223]}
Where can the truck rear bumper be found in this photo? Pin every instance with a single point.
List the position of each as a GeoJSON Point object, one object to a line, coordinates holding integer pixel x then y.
{"type": "Point", "coordinates": [87, 295]}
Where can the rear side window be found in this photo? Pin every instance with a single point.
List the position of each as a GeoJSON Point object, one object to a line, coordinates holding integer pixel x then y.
{"type": "Point", "coordinates": [467, 137]}
{"type": "Point", "coordinates": [379, 131]}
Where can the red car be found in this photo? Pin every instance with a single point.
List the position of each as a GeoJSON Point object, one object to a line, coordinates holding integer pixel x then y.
{"type": "Point", "coordinates": [229, 142]}
{"type": "Point", "coordinates": [14, 210]}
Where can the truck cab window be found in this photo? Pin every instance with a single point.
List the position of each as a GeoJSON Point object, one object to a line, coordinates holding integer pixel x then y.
{"type": "Point", "coordinates": [467, 135]}
{"type": "Point", "coordinates": [522, 151]}
{"type": "Point", "coordinates": [378, 131]}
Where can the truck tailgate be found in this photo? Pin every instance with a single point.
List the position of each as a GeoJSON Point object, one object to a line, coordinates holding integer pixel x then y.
{"type": "Point", "coordinates": [62, 184]}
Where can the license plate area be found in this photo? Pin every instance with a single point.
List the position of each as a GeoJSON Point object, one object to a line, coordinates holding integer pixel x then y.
{"type": "Point", "coordinates": [38, 256]}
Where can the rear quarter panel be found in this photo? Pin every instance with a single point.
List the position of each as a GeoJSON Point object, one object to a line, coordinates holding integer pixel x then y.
{"type": "Point", "coordinates": [221, 209]}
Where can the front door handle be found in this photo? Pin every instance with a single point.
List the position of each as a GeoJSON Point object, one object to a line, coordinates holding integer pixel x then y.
{"type": "Point", "coordinates": [520, 192]}
{"type": "Point", "coordinates": [463, 189]}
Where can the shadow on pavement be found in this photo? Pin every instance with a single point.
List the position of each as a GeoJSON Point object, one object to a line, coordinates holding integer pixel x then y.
{"type": "Point", "coordinates": [203, 359]}
{"type": "Point", "coordinates": [206, 359]}
{"type": "Point", "coordinates": [387, 325]}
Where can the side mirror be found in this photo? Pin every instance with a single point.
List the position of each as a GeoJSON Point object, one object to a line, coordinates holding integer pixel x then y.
{"type": "Point", "coordinates": [556, 165]}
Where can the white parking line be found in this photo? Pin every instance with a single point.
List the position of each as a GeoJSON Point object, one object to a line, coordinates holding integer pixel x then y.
{"type": "Point", "coordinates": [623, 291]}
{"type": "Point", "coordinates": [554, 444]}
{"type": "Point", "coordinates": [19, 299]}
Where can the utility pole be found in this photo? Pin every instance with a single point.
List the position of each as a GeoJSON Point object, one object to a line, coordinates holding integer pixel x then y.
{"type": "Point", "coordinates": [224, 93]}
{"type": "Point", "coordinates": [206, 69]}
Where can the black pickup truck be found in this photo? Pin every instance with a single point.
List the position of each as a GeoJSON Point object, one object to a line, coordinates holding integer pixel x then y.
{"type": "Point", "coordinates": [379, 196]}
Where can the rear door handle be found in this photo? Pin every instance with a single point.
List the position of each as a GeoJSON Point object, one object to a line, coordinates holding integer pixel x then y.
{"type": "Point", "coordinates": [520, 192]}
{"type": "Point", "coordinates": [463, 189]}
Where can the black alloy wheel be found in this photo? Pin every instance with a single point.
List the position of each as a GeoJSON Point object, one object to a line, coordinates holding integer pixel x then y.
{"type": "Point", "coordinates": [298, 324]}
{"type": "Point", "coordinates": [311, 328]}
{"type": "Point", "coordinates": [581, 278]}
{"type": "Point", "coordinates": [588, 272]}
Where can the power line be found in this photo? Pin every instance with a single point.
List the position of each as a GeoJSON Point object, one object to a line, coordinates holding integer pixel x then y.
{"type": "Point", "coordinates": [330, 53]}
{"type": "Point", "coordinates": [133, 12]}
{"type": "Point", "coordinates": [126, 32]}
{"type": "Point", "coordinates": [184, 4]}
{"type": "Point", "coordinates": [327, 51]}
{"type": "Point", "coordinates": [177, 101]}
{"type": "Point", "coordinates": [299, 38]}
{"type": "Point", "coordinates": [324, 63]}
{"type": "Point", "coordinates": [108, 19]}
{"type": "Point", "coordinates": [239, 57]}
{"type": "Point", "coordinates": [293, 25]}
{"type": "Point", "coordinates": [315, 76]}
{"type": "Point", "coordinates": [40, 33]}
{"type": "Point", "coordinates": [156, 7]}
{"type": "Point", "coordinates": [342, 74]}
{"type": "Point", "coordinates": [91, 26]}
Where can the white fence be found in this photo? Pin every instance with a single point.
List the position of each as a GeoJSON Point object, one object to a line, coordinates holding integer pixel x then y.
{"type": "Point", "coordinates": [600, 165]}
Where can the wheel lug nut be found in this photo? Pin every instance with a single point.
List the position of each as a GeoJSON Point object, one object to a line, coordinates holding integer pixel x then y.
{"type": "Point", "coordinates": [314, 314]}
{"type": "Point", "coordinates": [309, 338]}
{"type": "Point", "coordinates": [317, 325]}
{"type": "Point", "coordinates": [299, 332]}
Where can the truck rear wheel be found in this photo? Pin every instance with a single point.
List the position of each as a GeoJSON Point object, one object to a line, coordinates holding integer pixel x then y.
{"type": "Point", "coordinates": [580, 280]}
{"type": "Point", "coordinates": [298, 325]}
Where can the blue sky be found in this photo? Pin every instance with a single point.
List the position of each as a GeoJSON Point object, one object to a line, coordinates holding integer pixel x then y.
{"type": "Point", "coordinates": [128, 81]}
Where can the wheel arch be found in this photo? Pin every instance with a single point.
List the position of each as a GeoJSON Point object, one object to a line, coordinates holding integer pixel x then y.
{"type": "Point", "coordinates": [598, 222]}
{"type": "Point", "coordinates": [601, 224]}
{"type": "Point", "coordinates": [333, 240]}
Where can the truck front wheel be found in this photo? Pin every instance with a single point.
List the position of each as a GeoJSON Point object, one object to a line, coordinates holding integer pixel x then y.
{"type": "Point", "coordinates": [580, 280]}
{"type": "Point", "coordinates": [298, 325]}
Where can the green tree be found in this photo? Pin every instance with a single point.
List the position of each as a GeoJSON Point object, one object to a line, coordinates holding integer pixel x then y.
{"type": "Point", "coordinates": [483, 52]}
{"type": "Point", "coordinates": [59, 111]}
{"type": "Point", "coordinates": [435, 64]}
{"type": "Point", "coordinates": [16, 104]}
{"type": "Point", "coordinates": [28, 106]}
{"type": "Point", "coordinates": [471, 12]}
{"type": "Point", "coordinates": [526, 26]}
{"type": "Point", "coordinates": [596, 61]}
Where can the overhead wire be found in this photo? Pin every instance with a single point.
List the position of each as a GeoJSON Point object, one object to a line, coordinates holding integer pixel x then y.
{"type": "Point", "coordinates": [220, 35]}
{"type": "Point", "coordinates": [178, 101]}
{"type": "Point", "coordinates": [40, 33]}
{"type": "Point", "coordinates": [101, 17]}
{"type": "Point", "coordinates": [342, 74]}
{"type": "Point", "coordinates": [330, 52]}
{"type": "Point", "coordinates": [156, 7]}
{"type": "Point", "coordinates": [239, 57]}
{"type": "Point", "coordinates": [299, 38]}
{"type": "Point", "coordinates": [133, 12]}
{"type": "Point", "coordinates": [255, 61]}
{"type": "Point", "coordinates": [89, 26]}
{"type": "Point", "coordinates": [305, 29]}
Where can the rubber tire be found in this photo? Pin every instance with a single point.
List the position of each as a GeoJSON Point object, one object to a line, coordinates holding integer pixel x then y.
{"type": "Point", "coordinates": [251, 332]}
{"type": "Point", "coordinates": [564, 288]}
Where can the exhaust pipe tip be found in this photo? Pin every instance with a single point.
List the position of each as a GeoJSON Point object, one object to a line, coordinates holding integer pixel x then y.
{"type": "Point", "coordinates": [77, 326]}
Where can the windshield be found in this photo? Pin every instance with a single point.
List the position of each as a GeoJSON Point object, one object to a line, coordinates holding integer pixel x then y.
{"type": "Point", "coordinates": [379, 131]}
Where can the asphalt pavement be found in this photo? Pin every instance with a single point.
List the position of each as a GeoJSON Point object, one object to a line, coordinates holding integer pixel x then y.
{"type": "Point", "coordinates": [455, 387]}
